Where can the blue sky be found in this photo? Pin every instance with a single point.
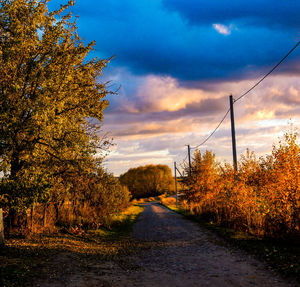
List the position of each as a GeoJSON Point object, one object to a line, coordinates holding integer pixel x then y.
{"type": "Point", "coordinates": [177, 61]}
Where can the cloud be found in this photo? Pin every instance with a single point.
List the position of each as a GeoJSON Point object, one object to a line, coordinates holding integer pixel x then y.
{"type": "Point", "coordinates": [174, 72]}
{"type": "Point", "coordinates": [273, 13]}
{"type": "Point", "coordinates": [169, 147]}
{"type": "Point", "coordinates": [166, 39]}
{"type": "Point", "coordinates": [155, 112]}
{"type": "Point", "coordinates": [222, 29]}
{"type": "Point", "coordinates": [154, 94]}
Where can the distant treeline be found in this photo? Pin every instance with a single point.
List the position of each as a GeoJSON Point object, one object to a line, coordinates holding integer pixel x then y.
{"type": "Point", "coordinates": [262, 198]}
{"type": "Point", "coordinates": [149, 180]}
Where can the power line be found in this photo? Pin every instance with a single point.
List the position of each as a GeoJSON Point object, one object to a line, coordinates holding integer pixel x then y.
{"type": "Point", "coordinates": [213, 130]}
{"type": "Point", "coordinates": [271, 71]}
{"type": "Point", "coordinates": [182, 162]}
{"type": "Point", "coordinates": [185, 158]}
{"type": "Point", "coordinates": [248, 91]}
{"type": "Point", "coordinates": [182, 165]}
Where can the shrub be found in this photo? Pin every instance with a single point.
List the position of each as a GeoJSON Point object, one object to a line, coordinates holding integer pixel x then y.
{"type": "Point", "coordinates": [263, 198]}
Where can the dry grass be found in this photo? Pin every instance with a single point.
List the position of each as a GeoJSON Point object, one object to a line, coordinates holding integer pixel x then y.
{"type": "Point", "coordinates": [170, 201]}
{"type": "Point", "coordinates": [281, 255]}
{"type": "Point", "coordinates": [24, 261]}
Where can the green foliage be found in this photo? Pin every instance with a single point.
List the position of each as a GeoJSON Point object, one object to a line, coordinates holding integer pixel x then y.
{"type": "Point", "coordinates": [146, 181]}
{"type": "Point", "coordinates": [96, 198]}
{"type": "Point", "coordinates": [51, 107]}
{"type": "Point", "coordinates": [49, 97]}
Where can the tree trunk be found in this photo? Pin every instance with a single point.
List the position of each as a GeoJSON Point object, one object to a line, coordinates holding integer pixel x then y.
{"type": "Point", "coordinates": [11, 220]}
{"type": "Point", "coordinates": [44, 215]}
{"type": "Point", "coordinates": [16, 165]}
{"type": "Point", "coordinates": [31, 219]}
{"type": "Point", "coordinates": [1, 227]}
{"type": "Point", "coordinates": [56, 212]}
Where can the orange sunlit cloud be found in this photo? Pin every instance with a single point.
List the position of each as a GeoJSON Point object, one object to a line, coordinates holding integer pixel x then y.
{"type": "Point", "coordinates": [166, 111]}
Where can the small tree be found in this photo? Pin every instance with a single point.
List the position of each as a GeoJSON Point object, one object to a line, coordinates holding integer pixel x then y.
{"type": "Point", "coordinates": [201, 183]}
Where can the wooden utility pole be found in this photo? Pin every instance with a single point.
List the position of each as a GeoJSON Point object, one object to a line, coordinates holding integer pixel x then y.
{"type": "Point", "coordinates": [189, 155]}
{"type": "Point", "coordinates": [175, 170]}
{"type": "Point", "coordinates": [233, 133]}
{"type": "Point", "coordinates": [1, 227]}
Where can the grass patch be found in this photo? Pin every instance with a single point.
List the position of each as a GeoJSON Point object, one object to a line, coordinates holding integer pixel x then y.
{"type": "Point", "coordinates": [23, 261]}
{"type": "Point", "coordinates": [281, 255]}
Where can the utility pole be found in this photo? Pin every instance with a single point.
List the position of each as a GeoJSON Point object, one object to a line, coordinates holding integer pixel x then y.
{"type": "Point", "coordinates": [233, 133]}
{"type": "Point", "coordinates": [189, 155]}
{"type": "Point", "coordinates": [175, 170]}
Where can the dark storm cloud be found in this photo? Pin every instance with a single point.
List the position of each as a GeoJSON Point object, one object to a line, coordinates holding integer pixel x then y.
{"type": "Point", "coordinates": [177, 38]}
{"type": "Point", "coordinates": [273, 13]}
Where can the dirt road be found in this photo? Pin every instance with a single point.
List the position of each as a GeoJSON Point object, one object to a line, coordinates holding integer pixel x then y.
{"type": "Point", "coordinates": [174, 252]}
{"type": "Point", "coordinates": [186, 255]}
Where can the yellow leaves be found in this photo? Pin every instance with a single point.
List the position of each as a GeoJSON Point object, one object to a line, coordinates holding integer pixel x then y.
{"type": "Point", "coordinates": [48, 91]}
{"type": "Point", "coordinates": [264, 200]}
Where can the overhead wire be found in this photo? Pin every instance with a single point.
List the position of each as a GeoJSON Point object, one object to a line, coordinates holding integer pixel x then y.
{"type": "Point", "coordinates": [270, 72]}
{"type": "Point", "coordinates": [247, 92]}
{"type": "Point", "coordinates": [202, 143]}
{"type": "Point", "coordinates": [185, 158]}
{"type": "Point", "coordinates": [182, 162]}
{"type": "Point", "coordinates": [182, 165]}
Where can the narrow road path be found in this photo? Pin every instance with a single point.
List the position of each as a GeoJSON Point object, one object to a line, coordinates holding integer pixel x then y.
{"type": "Point", "coordinates": [186, 255]}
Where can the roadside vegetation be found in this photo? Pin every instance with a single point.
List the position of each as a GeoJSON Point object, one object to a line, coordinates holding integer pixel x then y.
{"type": "Point", "coordinates": [55, 255]}
{"type": "Point", "coordinates": [62, 210]}
{"type": "Point", "coordinates": [262, 198]}
{"type": "Point", "coordinates": [256, 208]}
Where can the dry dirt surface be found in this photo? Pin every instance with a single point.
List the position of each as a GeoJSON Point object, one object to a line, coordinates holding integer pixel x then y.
{"type": "Point", "coordinates": [187, 255]}
{"type": "Point", "coordinates": [182, 254]}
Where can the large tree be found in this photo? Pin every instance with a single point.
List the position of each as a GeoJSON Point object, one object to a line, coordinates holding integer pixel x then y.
{"type": "Point", "coordinates": [50, 99]}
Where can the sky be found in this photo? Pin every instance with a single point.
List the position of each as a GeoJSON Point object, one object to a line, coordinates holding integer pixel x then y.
{"type": "Point", "coordinates": [175, 64]}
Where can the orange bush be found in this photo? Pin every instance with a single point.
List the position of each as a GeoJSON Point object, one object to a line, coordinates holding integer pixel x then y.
{"type": "Point", "coordinates": [263, 198]}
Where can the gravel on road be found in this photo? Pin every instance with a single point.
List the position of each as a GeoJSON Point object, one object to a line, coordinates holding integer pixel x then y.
{"type": "Point", "coordinates": [186, 254]}
{"type": "Point", "coordinates": [175, 252]}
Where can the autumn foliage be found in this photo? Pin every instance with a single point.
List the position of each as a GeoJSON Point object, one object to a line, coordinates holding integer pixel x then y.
{"type": "Point", "coordinates": [262, 198]}
{"type": "Point", "coordinates": [149, 180]}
